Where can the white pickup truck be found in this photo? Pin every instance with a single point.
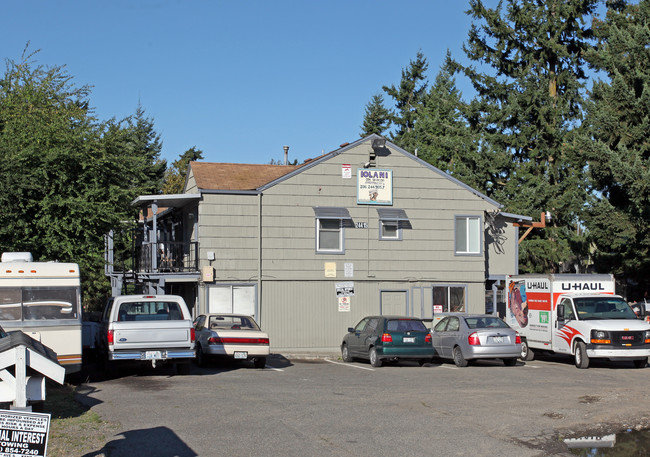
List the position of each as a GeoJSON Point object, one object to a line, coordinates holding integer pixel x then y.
{"type": "Point", "coordinates": [152, 329]}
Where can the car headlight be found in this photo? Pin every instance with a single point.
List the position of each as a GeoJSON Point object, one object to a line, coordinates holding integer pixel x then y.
{"type": "Point", "coordinates": [600, 337]}
{"type": "Point", "coordinates": [647, 337]}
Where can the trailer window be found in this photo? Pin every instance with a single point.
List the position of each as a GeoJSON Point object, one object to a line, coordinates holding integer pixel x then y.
{"type": "Point", "coordinates": [38, 303]}
{"type": "Point", "coordinates": [10, 304]}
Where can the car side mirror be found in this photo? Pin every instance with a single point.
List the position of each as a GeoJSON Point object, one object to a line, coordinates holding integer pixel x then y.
{"type": "Point", "coordinates": [350, 330]}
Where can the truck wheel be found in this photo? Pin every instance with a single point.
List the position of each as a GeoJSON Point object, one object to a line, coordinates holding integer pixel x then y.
{"type": "Point", "coordinates": [526, 353]}
{"type": "Point", "coordinates": [183, 368]}
{"type": "Point", "coordinates": [641, 363]}
{"type": "Point", "coordinates": [110, 369]}
{"type": "Point", "coordinates": [581, 357]}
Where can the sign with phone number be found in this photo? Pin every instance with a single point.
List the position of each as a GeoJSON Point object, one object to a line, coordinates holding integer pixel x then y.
{"type": "Point", "coordinates": [23, 433]}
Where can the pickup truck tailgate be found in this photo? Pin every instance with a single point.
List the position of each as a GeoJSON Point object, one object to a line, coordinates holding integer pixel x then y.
{"type": "Point", "coordinates": [173, 334]}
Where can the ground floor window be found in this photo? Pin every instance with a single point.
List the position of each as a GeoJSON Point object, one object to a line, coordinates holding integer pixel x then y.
{"type": "Point", "coordinates": [449, 298]}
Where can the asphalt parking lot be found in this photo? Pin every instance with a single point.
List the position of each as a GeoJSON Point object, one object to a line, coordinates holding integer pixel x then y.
{"type": "Point", "coordinates": [302, 406]}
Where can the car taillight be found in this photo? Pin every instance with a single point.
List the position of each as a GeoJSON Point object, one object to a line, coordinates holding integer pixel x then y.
{"type": "Point", "coordinates": [110, 337]}
{"type": "Point", "coordinates": [427, 339]}
{"type": "Point", "coordinates": [235, 340]}
{"type": "Point", "coordinates": [192, 335]}
{"type": "Point", "coordinates": [473, 339]}
{"type": "Point", "coordinates": [517, 339]}
{"type": "Point", "coordinates": [387, 338]}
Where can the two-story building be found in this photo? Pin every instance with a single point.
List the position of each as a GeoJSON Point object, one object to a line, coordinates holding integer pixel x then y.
{"type": "Point", "coordinates": [310, 249]}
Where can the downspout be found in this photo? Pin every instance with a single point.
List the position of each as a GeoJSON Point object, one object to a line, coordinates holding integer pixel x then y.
{"type": "Point", "coordinates": [259, 258]}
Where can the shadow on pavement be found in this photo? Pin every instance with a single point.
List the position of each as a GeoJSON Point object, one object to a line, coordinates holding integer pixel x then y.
{"type": "Point", "coordinates": [158, 441]}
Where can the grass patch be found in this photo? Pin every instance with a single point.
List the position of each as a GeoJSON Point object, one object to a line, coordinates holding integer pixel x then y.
{"type": "Point", "coordinates": [75, 430]}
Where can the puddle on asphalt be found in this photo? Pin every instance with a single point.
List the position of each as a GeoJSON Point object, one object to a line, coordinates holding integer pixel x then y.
{"type": "Point", "coordinates": [624, 443]}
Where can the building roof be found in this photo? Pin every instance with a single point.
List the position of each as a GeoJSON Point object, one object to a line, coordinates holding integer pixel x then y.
{"type": "Point", "coordinates": [237, 176]}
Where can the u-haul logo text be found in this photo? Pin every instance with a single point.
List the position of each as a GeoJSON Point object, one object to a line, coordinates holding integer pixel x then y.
{"type": "Point", "coordinates": [590, 286]}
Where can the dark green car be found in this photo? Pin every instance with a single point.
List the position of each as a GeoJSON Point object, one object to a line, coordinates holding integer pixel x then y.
{"type": "Point", "coordinates": [388, 338]}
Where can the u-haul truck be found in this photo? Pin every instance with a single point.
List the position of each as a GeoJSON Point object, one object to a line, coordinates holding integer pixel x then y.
{"type": "Point", "coordinates": [577, 315]}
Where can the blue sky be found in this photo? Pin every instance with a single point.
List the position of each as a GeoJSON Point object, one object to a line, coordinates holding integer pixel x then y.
{"type": "Point", "coordinates": [237, 79]}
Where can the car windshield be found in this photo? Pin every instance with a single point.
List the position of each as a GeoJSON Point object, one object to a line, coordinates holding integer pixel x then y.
{"type": "Point", "coordinates": [605, 307]}
{"type": "Point", "coordinates": [485, 322]}
{"type": "Point", "coordinates": [405, 325]}
{"type": "Point", "coordinates": [233, 323]}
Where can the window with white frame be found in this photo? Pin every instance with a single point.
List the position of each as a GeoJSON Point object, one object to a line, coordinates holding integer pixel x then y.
{"type": "Point", "coordinates": [330, 235]}
{"type": "Point", "coordinates": [330, 229]}
{"type": "Point", "coordinates": [449, 299]}
{"type": "Point", "coordinates": [389, 230]}
{"type": "Point", "coordinates": [468, 235]}
{"type": "Point", "coordinates": [391, 223]}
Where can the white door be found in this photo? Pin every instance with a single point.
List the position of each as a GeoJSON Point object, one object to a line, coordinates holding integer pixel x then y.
{"type": "Point", "coordinates": [393, 303]}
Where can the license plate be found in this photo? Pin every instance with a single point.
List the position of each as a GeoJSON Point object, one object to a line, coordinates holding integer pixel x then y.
{"type": "Point", "coordinates": [409, 339]}
{"type": "Point", "coordinates": [149, 355]}
{"type": "Point", "coordinates": [241, 355]}
{"type": "Point", "coordinates": [497, 339]}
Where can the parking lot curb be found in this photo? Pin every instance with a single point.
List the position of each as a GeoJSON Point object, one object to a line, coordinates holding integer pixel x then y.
{"type": "Point", "coordinates": [306, 356]}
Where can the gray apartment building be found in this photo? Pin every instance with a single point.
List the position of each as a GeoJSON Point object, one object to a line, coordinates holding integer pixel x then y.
{"type": "Point", "coordinates": [310, 249]}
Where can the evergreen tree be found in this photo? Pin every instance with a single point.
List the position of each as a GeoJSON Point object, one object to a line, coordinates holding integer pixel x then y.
{"type": "Point", "coordinates": [528, 106]}
{"type": "Point", "coordinates": [175, 176]}
{"type": "Point", "coordinates": [408, 97]}
{"type": "Point", "coordinates": [377, 117]}
{"type": "Point", "coordinates": [618, 121]}
{"type": "Point", "coordinates": [442, 137]}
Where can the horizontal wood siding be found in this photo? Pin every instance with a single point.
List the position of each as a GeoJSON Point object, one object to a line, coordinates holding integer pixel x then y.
{"type": "Point", "coordinates": [228, 226]}
{"type": "Point", "coordinates": [430, 200]}
{"type": "Point", "coordinates": [304, 315]}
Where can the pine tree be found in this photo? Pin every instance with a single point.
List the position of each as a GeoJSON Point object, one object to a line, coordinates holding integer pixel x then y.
{"type": "Point", "coordinates": [377, 117]}
{"type": "Point", "coordinates": [530, 85]}
{"type": "Point", "coordinates": [408, 97]}
{"type": "Point", "coordinates": [618, 121]}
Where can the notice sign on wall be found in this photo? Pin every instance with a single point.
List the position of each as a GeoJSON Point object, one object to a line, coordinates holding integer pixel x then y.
{"type": "Point", "coordinates": [344, 304]}
{"type": "Point", "coordinates": [374, 186]}
{"type": "Point", "coordinates": [23, 433]}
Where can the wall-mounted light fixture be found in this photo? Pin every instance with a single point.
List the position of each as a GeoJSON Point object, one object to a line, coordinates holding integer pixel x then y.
{"type": "Point", "coordinates": [378, 143]}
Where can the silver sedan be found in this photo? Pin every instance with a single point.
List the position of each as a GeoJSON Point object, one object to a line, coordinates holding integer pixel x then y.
{"type": "Point", "coordinates": [475, 336]}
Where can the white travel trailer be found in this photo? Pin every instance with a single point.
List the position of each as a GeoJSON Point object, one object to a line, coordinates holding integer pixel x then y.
{"type": "Point", "coordinates": [43, 299]}
{"type": "Point", "coordinates": [577, 315]}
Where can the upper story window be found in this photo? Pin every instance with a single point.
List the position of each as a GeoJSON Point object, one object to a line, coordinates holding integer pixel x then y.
{"type": "Point", "coordinates": [468, 235]}
{"type": "Point", "coordinates": [330, 229]}
{"type": "Point", "coordinates": [391, 223]}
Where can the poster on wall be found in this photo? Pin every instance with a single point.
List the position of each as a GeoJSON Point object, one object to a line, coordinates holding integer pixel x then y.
{"type": "Point", "coordinates": [330, 269]}
{"type": "Point", "coordinates": [344, 289]}
{"type": "Point", "coordinates": [374, 186]}
{"type": "Point", "coordinates": [344, 304]}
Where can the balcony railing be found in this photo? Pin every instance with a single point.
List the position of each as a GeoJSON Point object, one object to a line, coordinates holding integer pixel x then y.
{"type": "Point", "coordinates": [171, 257]}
